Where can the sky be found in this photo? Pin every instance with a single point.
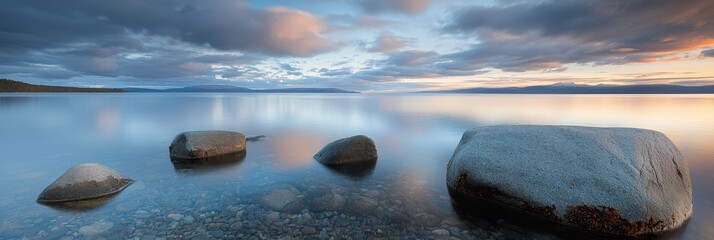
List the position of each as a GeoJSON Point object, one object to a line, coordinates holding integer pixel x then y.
{"type": "Point", "coordinates": [361, 45]}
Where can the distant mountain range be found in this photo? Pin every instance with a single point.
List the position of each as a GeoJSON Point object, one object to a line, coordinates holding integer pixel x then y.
{"type": "Point", "coordinates": [233, 89]}
{"type": "Point", "coordinates": [571, 88]}
{"type": "Point", "coordinates": [9, 86]}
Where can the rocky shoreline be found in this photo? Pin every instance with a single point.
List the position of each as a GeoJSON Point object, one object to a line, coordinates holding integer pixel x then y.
{"type": "Point", "coordinates": [515, 171]}
{"type": "Point", "coordinates": [193, 213]}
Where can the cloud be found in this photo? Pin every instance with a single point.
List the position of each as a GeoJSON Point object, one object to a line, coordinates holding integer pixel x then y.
{"type": "Point", "coordinates": [708, 53]}
{"type": "Point", "coordinates": [349, 22]}
{"type": "Point", "coordinates": [223, 25]}
{"type": "Point", "coordinates": [344, 71]}
{"type": "Point", "coordinates": [412, 64]}
{"type": "Point", "coordinates": [402, 6]}
{"type": "Point", "coordinates": [520, 53]}
{"type": "Point", "coordinates": [185, 42]}
{"type": "Point", "coordinates": [288, 67]}
{"type": "Point", "coordinates": [151, 42]}
{"type": "Point", "coordinates": [545, 35]}
{"type": "Point", "coordinates": [162, 59]}
{"type": "Point", "coordinates": [387, 43]}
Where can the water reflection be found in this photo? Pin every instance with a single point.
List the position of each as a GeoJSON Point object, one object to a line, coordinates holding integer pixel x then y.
{"type": "Point", "coordinates": [107, 122]}
{"type": "Point", "coordinates": [355, 172]}
{"type": "Point", "coordinates": [295, 149]}
{"type": "Point", "coordinates": [480, 210]}
{"type": "Point", "coordinates": [81, 205]}
{"type": "Point", "coordinates": [10, 101]}
{"type": "Point", "coordinates": [43, 135]}
{"type": "Point", "coordinates": [204, 165]}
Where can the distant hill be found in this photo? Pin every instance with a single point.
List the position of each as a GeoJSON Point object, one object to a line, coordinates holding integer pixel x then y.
{"type": "Point", "coordinates": [570, 88]}
{"type": "Point", "coordinates": [233, 89]}
{"type": "Point", "coordinates": [9, 86]}
{"type": "Point", "coordinates": [305, 90]}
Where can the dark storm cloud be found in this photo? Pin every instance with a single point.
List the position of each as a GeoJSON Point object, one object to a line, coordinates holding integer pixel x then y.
{"type": "Point", "coordinates": [143, 62]}
{"type": "Point", "coordinates": [708, 53]}
{"type": "Point", "coordinates": [403, 6]}
{"type": "Point", "coordinates": [187, 42]}
{"type": "Point", "coordinates": [288, 67]}
{"type": "Point", "coordinates": [412, 64]}
{"type": "Point", "coordinates": [522, 36]}
{"type": "Point", "coordinates": [345, 71]}
{"type": "Point", "coordinates": [223, 25]}
{"type": "Point", "coordinates": [147, 40]}
{"type": "Point", "coordinates": [528, 36]}
{"type": "Point", "coordinates": [520, 54]}
{"type": "Point", "coordinates": [38, 71]}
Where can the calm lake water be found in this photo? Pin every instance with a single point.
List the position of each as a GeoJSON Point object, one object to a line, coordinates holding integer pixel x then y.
{"type": "Point", "coordinates": [42, 135]}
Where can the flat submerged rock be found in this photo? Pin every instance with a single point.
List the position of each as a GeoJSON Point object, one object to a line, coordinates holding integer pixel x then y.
{"type": "Point", "coordinates": [620, 181]}
{"type": "Point", "coordinates": [206, 144]}
{"type": "Point", "coordinates": [82, 182]}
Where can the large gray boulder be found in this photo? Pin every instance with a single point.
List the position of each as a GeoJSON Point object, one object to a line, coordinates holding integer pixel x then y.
{"type": "Point", "coordinates": [84, 181]}
{"type": "Point", "coordinates": [352, 151]}
{"type": "Point", "coordinates": [206, 144]}
{"type": "Point", "coordinates": [619, 181]}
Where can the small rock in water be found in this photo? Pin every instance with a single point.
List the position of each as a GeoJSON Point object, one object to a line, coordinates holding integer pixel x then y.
{"type": "Point", "coordinates": [352, 151]}
{"type": "Point", "coordinates": [255, 138]}
{"type": "Point", "coordinates": [141, 214]}
{"type": "Point", "coordinates": [96, 228]}
{"type": "Point", "coordinates": [217, 234]}
{"type": "Point", "coordinates": [127, 206]}
{"type": "Point", "coordinates": [440, 233]}
{"type": "Point", "coordinates": [174, 216]}
{"type": "Point", "coordinates": [84, 181]}
{"type": "Point", "coordinates": [308, 231]}
{"type": "Point", "coordinates": [282, 198]}
{"type": "Point", "coordinates": [328, 202]}
{"type": "Point", "coordinates": [205, 144]}
{"type": "Point", "coordinates": [273, 216]}
{"type": "Point", "coordinates": [360, 205]}
{"type": "Point", "coordinates": [236, 226]}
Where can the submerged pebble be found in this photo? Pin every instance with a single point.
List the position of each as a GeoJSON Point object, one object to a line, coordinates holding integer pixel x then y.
{"type": "Point", "coordinates": [96, 228]}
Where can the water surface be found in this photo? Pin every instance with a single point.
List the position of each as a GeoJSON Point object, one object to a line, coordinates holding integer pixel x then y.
{"type": "Point", "coordinates": [42, 135]}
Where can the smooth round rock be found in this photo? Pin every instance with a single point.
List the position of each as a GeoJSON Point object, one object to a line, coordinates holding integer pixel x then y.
{"type": "Point", "coordinates": [619, 181]}
{"type": "Point", "coordinates": [84, 181]}
{"type": "Point", "coordinates": [206, 144]}
{"type": "Point", "coordinates": [360, 205]}
{"type": "Point", "coordinates": [327, 202]}
{"type": "Point", "coordinates": [355, 150]}
{"type": "Point", "coordinates": [96, 228]}
{"type": "Point", "coordinates": [284, 198]}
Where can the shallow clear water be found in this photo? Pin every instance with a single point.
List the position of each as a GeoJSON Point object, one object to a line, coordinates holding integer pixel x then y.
{"type": "Point", "coordinates": [42, 135]}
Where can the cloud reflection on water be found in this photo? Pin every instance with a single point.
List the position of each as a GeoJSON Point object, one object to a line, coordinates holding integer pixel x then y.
{"type": "Point", "coordinates": [415, 134]}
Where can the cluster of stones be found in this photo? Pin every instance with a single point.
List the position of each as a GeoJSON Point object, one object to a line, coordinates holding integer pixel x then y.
{"type": "Point", "coordinates": [620, 181]}
{"type": "Point", "coordinates": [89, 181]}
